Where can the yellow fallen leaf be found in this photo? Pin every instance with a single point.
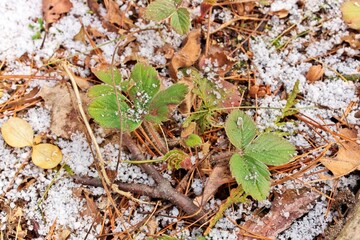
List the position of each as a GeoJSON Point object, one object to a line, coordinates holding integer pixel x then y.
{"type": "Point", "coordinates": [347, 158]}
{"type": "Point", "coordinates": [46, 155]}
{"type": "Point", "coordinates": [17, 132]}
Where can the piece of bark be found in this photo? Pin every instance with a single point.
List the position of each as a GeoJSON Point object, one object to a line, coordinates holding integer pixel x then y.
{"type": "Point", "coordinates": [286, 208]}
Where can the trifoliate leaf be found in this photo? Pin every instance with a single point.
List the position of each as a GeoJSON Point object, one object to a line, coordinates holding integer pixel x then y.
{"type": "Point", "coordinates": [104, 110]}
{"type": "Point", "coordinates": [109, 75]}
{"type": "Point", "coordinates": [159, 107]}
{"type": "Point", "coordinates": [193, 140]}
{"type": "Point", "coordinates": [160, 10]}
{"type": "Point", "coordinates": [351, 13]}
{"type": "Point", "coordinates": [270, 149]}
{"type": "Point", "coordinates": [253, 175]}
{"type": "Point", "coordinates": [100, 90]}
{"type": "Point", "coordinates": [180, 21]}
{"type": "Point", "coordinates": [46, 155]}
{"type": "Point", "coordinates": [240, 128]}
{"type": "Point", "coordinates": [17, 132]}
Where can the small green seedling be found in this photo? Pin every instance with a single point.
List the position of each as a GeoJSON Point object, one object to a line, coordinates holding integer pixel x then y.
{"type": "Point", "coordinates": [160, 10]}
{"type": "Point", "coordinates": [125, 104]}
{"type": "Point", "coordinates": [38, 28]}
{"type": "Point", "coordinates": [247, 165]}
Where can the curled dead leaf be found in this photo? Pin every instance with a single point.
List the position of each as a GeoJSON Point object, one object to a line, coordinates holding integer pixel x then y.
{"type": "Point", "coordinates": [46, 155]}
{"type": "Point", "coordinates": [53, 9]}
{"type": "Point", "coordinates": [347, 158]}
{"type": "Point", "coordinates": [218, 57]}
{"type": "Point", "coordinates": [315, 73]}
{"type": "Point", "coordinates": [353, 40]}
{"type": "Point", "coordinates": [283, 13]}
{"type": "Point", "coordinates": [17, 132]}
{"type": "Point", "coordinates": [188, 54]}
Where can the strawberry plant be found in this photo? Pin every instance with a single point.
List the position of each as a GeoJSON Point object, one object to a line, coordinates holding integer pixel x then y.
{"type": "Point", "coordinates": [248, 164]}
{"type": "Point", "coordinates": [125, 104]}
{"type": "Point", "coordinates": [160, 10]}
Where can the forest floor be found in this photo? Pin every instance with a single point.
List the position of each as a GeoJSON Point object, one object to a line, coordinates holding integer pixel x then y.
{"type": "Point", "coordinates": [293, 66]}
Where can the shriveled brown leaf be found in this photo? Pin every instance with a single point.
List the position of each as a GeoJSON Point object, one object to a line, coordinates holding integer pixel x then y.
{"type": "Point", "coordinates": [352, 40]}
{"type": "Point", "coordinates": [315, 73]}
{"type": "Point", "coordinates": [285, 209]}
{"type": "Point", "coordinates": [232, 97]}
{"type": "Point", "coordinates": [347, 158]}
{"type": "Point", "coordinates": [188, 54]}
{"type": "Point", "coordinates": [218, 176]}
{"type": "Point", "coordinates": [188, 130]}
{"type": "Point", "coordinates": [283, 13]}
{"type": "Point", "coordinates": [51, 231]}
{"type": "Point", "coordinates": [114, 15]}
{"type": "Point", "coordinates": [80, 36]}
{"type": "Point", "coordinates": [185, 106]}
{"type": "Point", "coordinates": [219, 56]}
{"type": "Point", "coordinates": [53, 9]}
{"type": "Point", "coordinates": [64, 118]}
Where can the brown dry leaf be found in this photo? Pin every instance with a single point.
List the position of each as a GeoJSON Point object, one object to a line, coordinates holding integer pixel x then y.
{"type": "Point", "coordinates": [114, 15]}
{"type": "Point", "coordinates": [188, 54]}
{"type": "Point", "coordinates": [80, 36]}
{"type": "Point", "coordinates": [315, 73]}
{"type": "Point", "coordinates": [347, 158]}
{"type": "Point", "coordinates": [232, 96]}
{"type": "Point", "coordinates": [283, 13]}
{"type": "Point", "coordinates": [218, 176]}
{"type": "Point", "coordinates": [26, 183]}
{"type": "Point", "coordinates": [353, 40]}
{"type": "Point", "coordinates": [285, 209]}
{"type": "Point", "coordinates": [46, 155]}
{"type": "Point", "coordinates": [17, 132]}
{"type": "Point", "coordinates": [64, 118]}
{"type": "Point", "coordinates": [82, 83]}
{"type": "Point", "coordinates": [51, 231]}
{"type": "Point", "coordinates": [185, 106]}
{"type": "Point", "coordinates": [188, 130]}
{"type": "Point", "coordinates": [53, 9]}
{"type": "Point", "coordinates": [219, 56]}
{"type": "Point", "coordinates": [91, 208]}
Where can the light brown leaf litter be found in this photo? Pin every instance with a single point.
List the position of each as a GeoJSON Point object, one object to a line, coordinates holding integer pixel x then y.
{"type": "Point", "coordinates": [53, 9]}
{"type": "Point", "coordinates": [347, 158]}
{"type": "Point", "coordinates": [188, 54]}
{"type": "Point", "coordinates": [315, 73]}
{"type": "Point", "coordinates": [64, 118]}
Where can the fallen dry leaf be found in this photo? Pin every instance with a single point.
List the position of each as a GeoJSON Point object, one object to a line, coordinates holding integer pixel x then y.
{"type": "Point", "coordinates": [283, 13]}
{"type": "Point", "coordinates": [80, 36]}
{"type": "Point", "coordinates": [114, 15]}
{"type": "Point", "coordinates": [347, 158]}
{"type": "Point", "coordinates": [285, 209]}
{"type": "Point", "coordinates": [188, 54]}
{"type": "Point", "coordinates": [315, 73]}
{"type": "Point", "coordinates": [219, 56]}
{"type": "Point", "coordinates": [46, 155]}
{"type": "Point", "coordinates": [53, 9]}
{"type": "Point", "coordinates": [218, 176]}
{"type": "Point", "coordinates": [353, 40]}
{"type": "Point", "coordinates": [17, 132]}
{"type": "Point", "coordinates": [186, 105]}
{"type": "Point", "coordinates": [64, 118]}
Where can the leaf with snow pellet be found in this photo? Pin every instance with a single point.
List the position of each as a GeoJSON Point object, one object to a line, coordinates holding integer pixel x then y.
{"type": "Point", "coordinates": [104, 110]}
{"type": "Point", "coordinates": [240, 128]}
{"type": "Point", "coordinates": [108, 74]}
{"type": "Point", "coordinates": [253, 175]}
{"type": "Point", "coordinates": [46, 155]}
{"type": "Point", "coordinates": [180, 21]}
{"type": "Point", "coordinates": [17, 132]}
{"type": "Point", "coordinates": [159, 107]}
{"type": "Point", "coordinates": [53, 9]}
{"type": "Point", "coordinates": [100, 90]}
{"type": "Point", "coordinates": [160, 10]}
{"type": "Point", "coordinates": [351, 13]}
{"type": "Point", "coordinates": [270, 149]}
{"type": "Point", "coordinates": [146, 85]}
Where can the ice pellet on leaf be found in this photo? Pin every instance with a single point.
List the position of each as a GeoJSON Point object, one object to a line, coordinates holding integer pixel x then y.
{"type": "Point", "coordinates": [46, 155]}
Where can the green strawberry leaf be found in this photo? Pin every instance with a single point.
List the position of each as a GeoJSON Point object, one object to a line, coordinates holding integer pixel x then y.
{"type": "Point", "coordinates": [159, 106]}
{"type": "Point", "coordinates": [193, 140]}
{"type": "Point", "coordinates": [160, 10]}
{"type": "Point", "coordinates": [100, 90]}
{"type": "Point", "coordinates": [104, 110]}
{"type": "Point", "coordinates": [240, 129]}
{"type": "Point", "coordinates": [110, 75]}
{"type": "Point", "coordinates": [253, 175]}
{"type": "Point", "coordinates": [180, 21]}
{"type": "Point", "coordinates": [270, 149]}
